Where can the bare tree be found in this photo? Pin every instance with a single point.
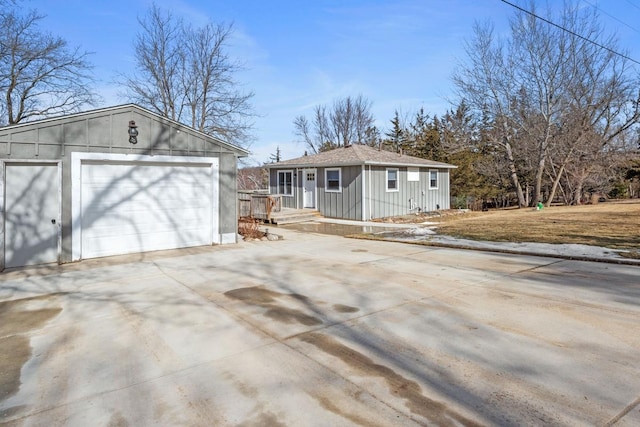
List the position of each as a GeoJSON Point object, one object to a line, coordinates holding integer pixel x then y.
{"type": "Point", "coordinates": [40, 75]}
{"type": "Point", "coordinates": [488, 84]}
{"type": "Point", "coordinates": [599, 124]}
{"type": "Point", "coordinates": [349, 121]}
{"type": "Point", "coordinates": [184, 73]}
{"type": "Point", "coordinates": [253, 178]}
{"type": "Point", "coordinates": [156, 84]}
{"type": "Point", "coordinates": [540, 81]}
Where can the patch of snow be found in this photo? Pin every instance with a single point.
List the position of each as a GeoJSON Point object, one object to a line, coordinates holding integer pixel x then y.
{"type": "Point", "coordinates": [545, 249]}
{"type": "Point", "coordinates": [419, 231]}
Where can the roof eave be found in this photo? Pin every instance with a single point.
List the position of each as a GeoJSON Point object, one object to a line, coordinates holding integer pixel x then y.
{"type": "Point", "coordinates": [372, 163]}
{"type": "Point", "coordinates": [412, 165]}
{"type": "Point", "coordinates": [311, 165]}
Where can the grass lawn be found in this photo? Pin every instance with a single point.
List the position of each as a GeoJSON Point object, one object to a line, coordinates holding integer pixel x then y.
{"type": "Point", "coordinates": [614, 225]}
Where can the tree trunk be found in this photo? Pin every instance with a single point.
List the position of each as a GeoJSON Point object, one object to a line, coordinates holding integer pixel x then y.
{"type": "Point", "coordinates": [538, 187]}
{"type": "Point", "coordinates": [577, 194]}
{"type": "Point", "coordinates": [542, 157]}
{"type": "Point", "coordinates": [514, 175]}
{"type": "Point", "coordinates": [554, 187]}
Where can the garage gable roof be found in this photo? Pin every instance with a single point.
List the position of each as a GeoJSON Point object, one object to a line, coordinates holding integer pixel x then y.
{"type": "Point", "coordinates": [6, 130]}
{"type": "Point", "coordinates": [358, 154]}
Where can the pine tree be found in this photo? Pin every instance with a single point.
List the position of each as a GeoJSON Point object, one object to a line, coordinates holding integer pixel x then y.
{"type": "Point", "coordinates": [275, 158]}
{"type": "Point", "coordinates": [396, 136]}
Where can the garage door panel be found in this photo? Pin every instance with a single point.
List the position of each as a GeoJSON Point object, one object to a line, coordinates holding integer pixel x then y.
{"type": "Point", "coordinates": [138, 207]}
{"type": "Point", "coordinates": [123, 227]}
{"type": "Point", "coordinates": [106, 245]}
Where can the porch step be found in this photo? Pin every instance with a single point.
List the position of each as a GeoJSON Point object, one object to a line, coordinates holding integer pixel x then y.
{"type": "Point", "coordinates": [291, 216]}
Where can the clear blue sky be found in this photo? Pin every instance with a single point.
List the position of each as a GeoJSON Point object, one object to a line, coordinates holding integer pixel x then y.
{"type": "Point", "coordinates": [298, 53]}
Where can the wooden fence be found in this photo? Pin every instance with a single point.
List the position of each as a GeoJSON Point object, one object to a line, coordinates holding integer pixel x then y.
{"type": "Point", "coordinates": [257, 205]}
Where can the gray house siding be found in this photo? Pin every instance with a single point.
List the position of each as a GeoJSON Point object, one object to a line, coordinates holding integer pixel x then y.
{"type": "Point", "coordinates": [437, 197]}
{"type": "Point", "coordinates": [105, 131]}
{"type": "Point", "coordinates": [345, 204]}
{"type": "Point", "coordinates": [375, 202]}
{"type": "Point", "coordinates": [288, 201]}
{"type": "Point", "coordinates": [363, 192]}
{"type": "Point", "coordinates": [410, 195]}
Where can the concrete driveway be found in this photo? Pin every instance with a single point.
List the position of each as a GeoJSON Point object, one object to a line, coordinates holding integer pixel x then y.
{"type": "Point", "coordinates": [320, 330]}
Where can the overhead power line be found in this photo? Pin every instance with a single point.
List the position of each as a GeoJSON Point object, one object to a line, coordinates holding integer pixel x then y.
{"type": "Point", "coordinates": [570, 32]}
{"type": "Point", "coordinates": [634, 5]}
{"type": "Point", "coordinates": [610, 15]}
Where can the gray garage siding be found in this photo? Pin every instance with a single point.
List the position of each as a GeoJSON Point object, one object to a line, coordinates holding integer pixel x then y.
{"type": "Point", "coordinates": [105, 131]}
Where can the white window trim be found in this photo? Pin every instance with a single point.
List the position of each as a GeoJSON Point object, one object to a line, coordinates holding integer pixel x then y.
{"type": "Point", "coordinates": [326, 180]}
{"type": "Point", "coordinates": [278, 182]}
{"type": "Point", "coordinates": [437, 179]}
{"type": "Point", "coordinates": [393, 190]}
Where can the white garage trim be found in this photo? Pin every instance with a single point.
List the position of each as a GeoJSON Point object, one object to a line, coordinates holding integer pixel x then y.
{"type": "Point", "coordinates": [77, 160]}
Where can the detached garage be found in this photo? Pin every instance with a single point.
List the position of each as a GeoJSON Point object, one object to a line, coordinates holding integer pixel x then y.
{"type": "Point", "coordinates": [112, 181]}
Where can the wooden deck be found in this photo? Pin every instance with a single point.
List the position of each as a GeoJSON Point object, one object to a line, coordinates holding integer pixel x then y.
{"type": "Point", "coordinates": [268, 208]}
{"type": "Point", "coordinates": [290, 216]}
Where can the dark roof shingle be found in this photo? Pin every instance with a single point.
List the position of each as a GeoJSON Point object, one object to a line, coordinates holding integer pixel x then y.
{"type": "Point", "coordinates": [358, 154]}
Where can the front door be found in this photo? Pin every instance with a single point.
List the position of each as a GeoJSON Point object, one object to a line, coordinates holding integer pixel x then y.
{"type": "Point", "coordinates": [309, 187]}
{"type": "Point", "coordinates": [32, 202]}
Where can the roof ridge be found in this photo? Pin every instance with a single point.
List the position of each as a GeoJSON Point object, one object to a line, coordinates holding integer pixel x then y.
{"type": "Point", "coordinates": [358, 154]}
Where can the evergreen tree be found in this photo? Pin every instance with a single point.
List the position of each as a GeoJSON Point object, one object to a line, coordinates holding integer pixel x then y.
{"type": "Point", "coordinates": [276, 157]}
{"type": "Point", "coordinates": [396, 136]}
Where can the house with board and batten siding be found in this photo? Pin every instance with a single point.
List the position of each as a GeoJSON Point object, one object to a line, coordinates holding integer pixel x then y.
{"type": "Point", "coordinates": [359, 182]}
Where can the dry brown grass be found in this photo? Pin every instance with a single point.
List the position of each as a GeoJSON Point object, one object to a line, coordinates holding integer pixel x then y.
{"type": "Point", "coordinates": [614, 225]}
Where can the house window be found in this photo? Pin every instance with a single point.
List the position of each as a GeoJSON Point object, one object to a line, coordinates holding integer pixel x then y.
{"type": "Point", "coordinates": [392, 179]}
{"type": "Point", "coordinates": [285, 183]}
{"type": "Point", "coordinates": [413, 174]}
{"type": "Point", "coordinates": [433, 180]}
{"type": "Point", "coordinates": [333, 180]}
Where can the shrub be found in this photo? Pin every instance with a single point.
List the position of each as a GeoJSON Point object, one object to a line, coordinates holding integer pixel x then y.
{"type": "Point", "coordinates": [248, 228]}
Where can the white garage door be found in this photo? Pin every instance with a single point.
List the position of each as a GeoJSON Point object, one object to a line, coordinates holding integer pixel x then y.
{"type": "Point", "coordinates": [129, 207]}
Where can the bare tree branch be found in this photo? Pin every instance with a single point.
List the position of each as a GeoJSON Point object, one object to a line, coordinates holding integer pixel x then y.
{"type": "Point", "coordinates": [348, 122]}
{"type": "Point", "coordinates": [40, 76]}
{"type": "Point", "coordinates": [538, 82]}
{"type": "Point", "coordinates": [184, 73]}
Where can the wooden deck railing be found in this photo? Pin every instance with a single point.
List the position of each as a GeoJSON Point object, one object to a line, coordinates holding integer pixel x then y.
{"type": "Point", "coordinates": [259, 206]}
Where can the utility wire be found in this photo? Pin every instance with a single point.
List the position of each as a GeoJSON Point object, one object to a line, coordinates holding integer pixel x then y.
{"type": "Point", "coordinates": [634, 5]}
{"type": "Point", "coordinates": [610, 15]}
{"type": "Point", "coordinates": [571, 32]}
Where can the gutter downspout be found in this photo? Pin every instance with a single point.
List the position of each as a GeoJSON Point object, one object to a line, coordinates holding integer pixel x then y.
{"type": "Point", "coordinates": [370, 203]}
{"type": "Point", "coordinates": [364, 194]}
{"type": "Point", "coordinates": [298, 177]}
